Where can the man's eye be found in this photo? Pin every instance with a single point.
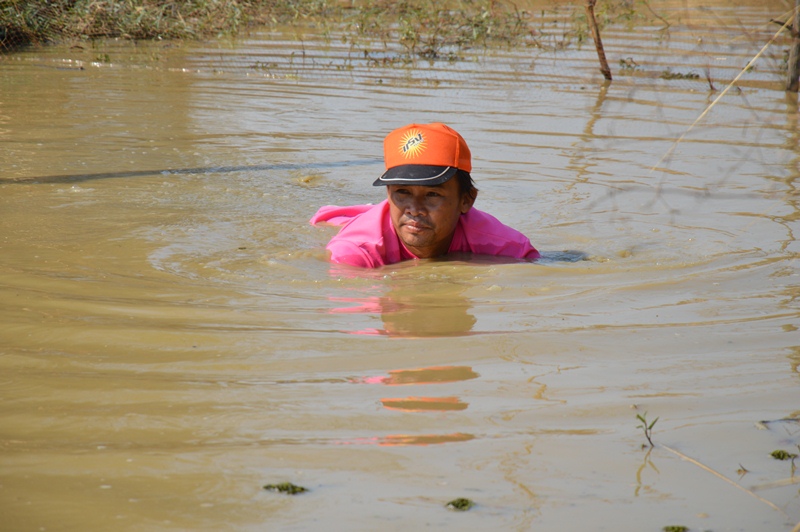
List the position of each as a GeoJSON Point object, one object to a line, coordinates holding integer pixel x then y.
{"type": "Point", "coordinates": [434, 195]}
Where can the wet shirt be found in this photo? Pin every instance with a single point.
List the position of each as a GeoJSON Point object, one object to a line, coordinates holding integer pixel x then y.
{"type": "Point", "coordinates": [368, 239]}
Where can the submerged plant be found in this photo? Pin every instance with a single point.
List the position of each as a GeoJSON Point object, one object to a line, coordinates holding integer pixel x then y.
{"type": "Point", "coordinates": [675, 528]}
{"type": "Point", "coordinates": [780, 454]}
{"type": "Point", "coordinates": [647, 427]}
{"type": "Point", "coordinates": [628, 64]}
{"type": "Point", "coordinates": [669, 74]}
{"type": "Point", "coordinates": [285, 487]}
{"type": "Point", "coordinates": [461, 504]}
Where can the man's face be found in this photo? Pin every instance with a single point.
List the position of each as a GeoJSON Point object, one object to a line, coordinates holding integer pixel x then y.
{"type": "Point", "coordinates": [425, 217]}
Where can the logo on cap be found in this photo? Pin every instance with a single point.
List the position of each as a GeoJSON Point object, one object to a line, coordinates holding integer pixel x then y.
{"type": "Point", "coordinates": [412, 144]}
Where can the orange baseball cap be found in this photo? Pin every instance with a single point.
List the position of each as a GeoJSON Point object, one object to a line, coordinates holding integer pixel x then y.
{"type": "Point", "coordinates": [423, 154]}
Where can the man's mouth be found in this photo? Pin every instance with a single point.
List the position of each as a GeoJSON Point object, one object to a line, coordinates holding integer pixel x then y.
{"type": "Point", "coordinates": [414, 226]}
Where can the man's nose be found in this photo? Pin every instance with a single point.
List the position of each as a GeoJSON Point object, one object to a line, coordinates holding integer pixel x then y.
{"type": "Point", "coordinates": [415, 206]}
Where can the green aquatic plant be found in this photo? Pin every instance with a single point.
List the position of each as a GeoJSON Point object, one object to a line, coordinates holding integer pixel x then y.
{"type": "Point", "coordinates": [675, 528]}
{"type": "Point", "coordinates": [460, 505]}
{"type": "Point", "coordinates": [780, 454]}
{"type": "Point", "coordinates": [286, 487]}
{"type": "Point", "coordinates": [647, 427]}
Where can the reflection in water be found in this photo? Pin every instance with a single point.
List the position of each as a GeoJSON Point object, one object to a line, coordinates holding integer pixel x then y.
{"type": "Point", "coordinates": [424, 439]}
{"type": "Point", "coordinates": [794, 358]}
{"type": "Point", "coordinates": [425, 404]}
{"type": "Point", "coordinates": [641, 487]}
{"type": "Point", "coordinates": [430, 375]}
{"type": "Point", "coordinates": [415, 376]}
{"type": "Point", "coordinates": [395, 440]}
{"type": "Point", "coordinates": [440, 310]}
{"type": "Point", "coordinates": [580, 159]}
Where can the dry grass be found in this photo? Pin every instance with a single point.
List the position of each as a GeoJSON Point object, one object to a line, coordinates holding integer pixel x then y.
{"type": "Point", "coordinates": [424, 28]}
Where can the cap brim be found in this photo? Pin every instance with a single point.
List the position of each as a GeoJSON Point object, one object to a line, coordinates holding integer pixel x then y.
{"type": "Point", "coordinates": [416, 174]}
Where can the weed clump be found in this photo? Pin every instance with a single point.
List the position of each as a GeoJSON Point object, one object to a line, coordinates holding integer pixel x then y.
{"type": "Point", "coordinates": [460, 505]}
{"type": "Point", "coordinates": [285, 487]}
{"type": "Point", "coordinates": [780, 454]}
{"type": "Point", "coordinates": [669, 74]}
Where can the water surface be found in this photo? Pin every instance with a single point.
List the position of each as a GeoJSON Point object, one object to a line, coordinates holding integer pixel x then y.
{"type": "Point", "coordinates": [172, 338]}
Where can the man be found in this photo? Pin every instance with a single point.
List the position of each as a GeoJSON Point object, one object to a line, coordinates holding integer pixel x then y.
{"type": "Point", "coordinates": [429, 209]}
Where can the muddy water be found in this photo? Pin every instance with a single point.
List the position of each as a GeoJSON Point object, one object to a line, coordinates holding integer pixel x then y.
{"type": "Point", "coordinates": [172, 339]}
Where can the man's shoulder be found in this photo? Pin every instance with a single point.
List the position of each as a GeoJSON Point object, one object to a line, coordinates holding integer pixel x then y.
{"type": "Point", "coordinates": [484, 234]}
{"type": "Point", "coordinates": [360, 242]}
{"type": "Point", "coordinates": [336, 215]}
{"type": "Point", "coordinates": [476, 220]}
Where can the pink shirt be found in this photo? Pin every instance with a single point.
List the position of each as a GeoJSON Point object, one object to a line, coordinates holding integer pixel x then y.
{"type": "Point", "coordinates": [368, 238]}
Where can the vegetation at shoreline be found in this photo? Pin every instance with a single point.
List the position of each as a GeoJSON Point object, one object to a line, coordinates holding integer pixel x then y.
{"type": "Point", "coordinates": [424, 28]}
{"type": "Point", "coordinates": [32, 21]}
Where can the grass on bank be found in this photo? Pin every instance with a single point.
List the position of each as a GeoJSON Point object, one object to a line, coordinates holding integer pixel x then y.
{"type": "Point", "coordinates": [424, 28]}
{"type": "Point", "coordinates": [40, 22]}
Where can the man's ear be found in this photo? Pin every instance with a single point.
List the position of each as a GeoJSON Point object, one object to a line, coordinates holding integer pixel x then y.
{"type": "Point", "coordinates": [468, 200]}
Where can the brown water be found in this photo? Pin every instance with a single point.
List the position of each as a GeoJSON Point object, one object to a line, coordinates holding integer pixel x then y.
{"type": "Point", "coordinates": [171, 338]}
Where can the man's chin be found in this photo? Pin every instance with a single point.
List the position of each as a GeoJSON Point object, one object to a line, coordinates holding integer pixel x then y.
{"type": "Point", "coordinates": [414, 240]}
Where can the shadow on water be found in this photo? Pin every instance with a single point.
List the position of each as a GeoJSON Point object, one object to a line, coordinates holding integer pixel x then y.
{"type": "Point", "coordinates": [546, 257]}
{"type": "Point", "coordinates": [73, 178]}
{"type": "Point", "coordinates": [568, 255]}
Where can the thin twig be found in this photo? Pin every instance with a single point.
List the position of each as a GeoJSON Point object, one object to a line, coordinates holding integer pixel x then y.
{"type": "Point", "coordinates": [659, 17]}
{"type": "Point", "coordinates": [726, 479]}
{"type": "Point", "coordinates": [789, 27]}
{"type": "Point", "coordinates": [793, 62]}
{"type": "Point", "coordinates": [721, 94]}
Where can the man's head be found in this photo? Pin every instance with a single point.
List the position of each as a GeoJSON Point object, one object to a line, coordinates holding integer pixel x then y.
{"type": "Point", "coordinates": [425, 201]}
